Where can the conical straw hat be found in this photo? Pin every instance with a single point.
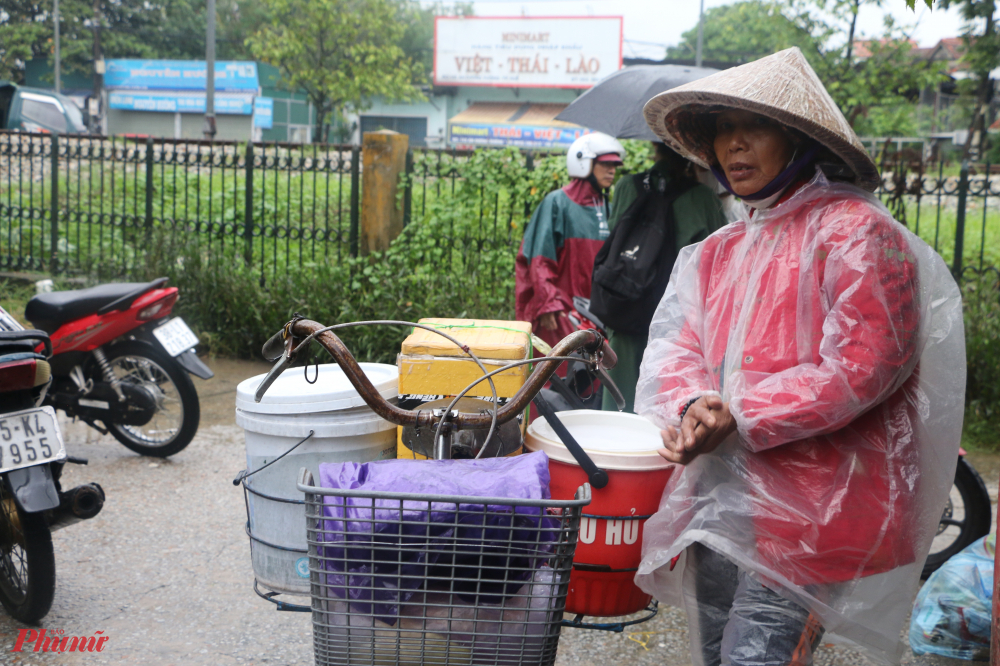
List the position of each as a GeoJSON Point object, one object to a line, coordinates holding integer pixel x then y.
{"type": "Point", "coordinates": [781, 86]}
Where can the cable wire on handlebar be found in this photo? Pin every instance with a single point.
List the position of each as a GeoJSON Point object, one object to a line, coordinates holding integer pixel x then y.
{"type": "Point", "coordinates": [305, 373]}
{"type": "Point", "coordinates": [393, 322]}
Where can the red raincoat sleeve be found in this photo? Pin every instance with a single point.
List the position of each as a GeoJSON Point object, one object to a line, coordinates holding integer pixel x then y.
{"type": "Point", "coordinates": [869, 280]}
{"type": "Point", "coordinates": [537, 266]}
{"type": "Point", "coordinates": [674, 368]}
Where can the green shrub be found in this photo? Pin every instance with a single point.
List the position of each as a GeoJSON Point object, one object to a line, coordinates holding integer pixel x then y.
{"type": "Point", "coordinates": [981, 299]}
{"type": "Point", "coordinates": [454, 259]}
{"type": "Point", "coordinates": [14, 296]}
{"type": "Point", "coordinates": [422, 274]}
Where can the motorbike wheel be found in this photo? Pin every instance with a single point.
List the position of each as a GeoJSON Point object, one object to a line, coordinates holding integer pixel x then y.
{"type": "Point", "coordinates": [967, 517]}
{"type": "Point", "coordinates": [27, 563]}
{"type": "Point", "coordinates": [177, 411]}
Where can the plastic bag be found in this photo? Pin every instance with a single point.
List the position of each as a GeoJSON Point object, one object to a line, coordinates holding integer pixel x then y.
{"type": "Point", "coordinates": [432, 624]}
{"type": "Point", "coordinates": [951, 615]}
{"type": "Point", "coordinates": [836, 337]}
{"type": "Point", "coordinates": [389, 553]}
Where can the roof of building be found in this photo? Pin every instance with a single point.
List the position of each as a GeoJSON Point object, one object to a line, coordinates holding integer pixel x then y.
{"type": "Point", "coordinates": [862, 47]}
{"type": "Point", "coordinates": [513, 113]}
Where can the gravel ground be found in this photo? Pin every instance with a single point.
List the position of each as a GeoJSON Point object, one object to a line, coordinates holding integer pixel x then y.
{"type": "Point", "coordinates": [164, 571]}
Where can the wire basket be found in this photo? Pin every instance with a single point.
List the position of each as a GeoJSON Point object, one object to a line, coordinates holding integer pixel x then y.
{"type": "Point", "coordinates": [405, 579]}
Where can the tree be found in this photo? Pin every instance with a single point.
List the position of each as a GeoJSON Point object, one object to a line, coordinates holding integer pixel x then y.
{"type": "Point", "coordinates": [18, 38]}
{"type": "Point", "coordinates": [982, 55]}
{"type": "Point", "coordinates": [418, 39]}
{"type": "Point", "coordinates": [871, 90]}
{"type": "Point", "coordinates": [742, 32]}
{"type": "Point", "coordinates": [181, 32]}
{"type": "Point", "coordinates": [127, 29]}
{"type": "Point", "coordinates": [341, 53]}
{"type": "Point", "coordinates": [26, 32]}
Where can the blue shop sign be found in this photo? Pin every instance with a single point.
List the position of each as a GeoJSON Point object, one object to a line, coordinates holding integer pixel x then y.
{"type": "Point", "coordinates": [263, 112]}
{"type": "Point", "coordinates": [521, 136]}
{"type": "Point", "coordinates": [179, 75]}
{"type": "Point", "coordinates": [237, 105]}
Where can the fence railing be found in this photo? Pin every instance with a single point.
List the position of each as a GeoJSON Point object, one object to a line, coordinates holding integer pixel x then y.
{"type": "Point", "coordinates": [958, 214]}
{"type": "Point", "coordinates": [102, 207]}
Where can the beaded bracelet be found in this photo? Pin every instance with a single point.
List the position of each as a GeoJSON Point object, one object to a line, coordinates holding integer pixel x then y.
{"type": "Point", "coordinates": [688, 406]}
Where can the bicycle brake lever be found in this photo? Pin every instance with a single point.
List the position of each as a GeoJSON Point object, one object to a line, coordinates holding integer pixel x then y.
{"type": "Point", "coordinates": [279, 367]}
{"type": "Point", "coordinates": [277, 343]}
{"type": "Point", "coordinates": [609, 358]}
{"type": "Point", "coordinates": [274, 347]}
{"type": "Point", "coordinates": [609, 384]}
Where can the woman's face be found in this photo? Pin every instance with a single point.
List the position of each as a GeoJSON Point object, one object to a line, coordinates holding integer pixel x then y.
{"type": "Point", "coordinates": [604, 173]}
{"type": "Point", "coordinates": [751, 149]}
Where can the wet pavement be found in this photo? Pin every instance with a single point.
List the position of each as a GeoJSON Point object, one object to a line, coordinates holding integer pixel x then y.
{"type": "Point", "coordinates": [164, 571]}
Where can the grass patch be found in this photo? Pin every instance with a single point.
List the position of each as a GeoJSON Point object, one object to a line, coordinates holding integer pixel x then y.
{"type": "Point", "coordinates": [14, 295]}
{"type": "Point", "coordinates": [981, 300]}
{"type": "Point", "coordinates": [300, 206]}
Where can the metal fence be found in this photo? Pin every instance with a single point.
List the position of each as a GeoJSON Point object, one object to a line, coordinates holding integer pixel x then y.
{"type": "Point", "coordinates": [108, 207]}
{"type": "Point", "coordinates": [104, 206]}
{"type": "Point", "coordinates": [955, 208]}
{"type": "Point", "coordinates": [490, 215]}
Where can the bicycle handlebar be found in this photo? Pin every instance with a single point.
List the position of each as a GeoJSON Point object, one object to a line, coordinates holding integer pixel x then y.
{"type": "Point", "coordinates": [293, 335]}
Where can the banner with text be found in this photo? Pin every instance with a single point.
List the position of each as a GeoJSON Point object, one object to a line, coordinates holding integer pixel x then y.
{"type": "Point", "coordinates": [521, 136]}
{"type": "Point", "coordinates": [526, 52]}
{"type": "Point", "coordinates": [179, 75]}
{"type": "Point", "coordinates": [237, 104]}
{"type": "Point", "coordinates": [263, 112]}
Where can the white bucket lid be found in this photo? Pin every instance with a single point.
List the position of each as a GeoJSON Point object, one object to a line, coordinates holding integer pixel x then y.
{"type": "Point", "coordinates": [292, 394]}
{"type": "Point", "coordinates": [613, 440]}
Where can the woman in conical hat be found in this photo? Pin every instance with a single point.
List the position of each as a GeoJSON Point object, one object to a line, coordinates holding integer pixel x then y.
{"type": "Point", "coordinates": [807, 367]}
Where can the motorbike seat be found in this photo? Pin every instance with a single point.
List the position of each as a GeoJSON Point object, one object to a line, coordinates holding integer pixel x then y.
{"type": "Point", "coordinates": [51, 310]}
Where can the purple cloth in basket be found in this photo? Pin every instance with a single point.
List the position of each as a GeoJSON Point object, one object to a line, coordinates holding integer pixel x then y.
{"type": "Point", "coordinates": [381, 558]}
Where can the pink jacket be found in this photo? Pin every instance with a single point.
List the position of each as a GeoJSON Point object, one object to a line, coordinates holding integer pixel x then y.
{"type": "Point", "coordinates": [810, 319]}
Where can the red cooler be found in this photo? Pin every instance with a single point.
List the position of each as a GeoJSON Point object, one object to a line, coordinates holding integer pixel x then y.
{"type": "Point", "coordinates": [610, 546]}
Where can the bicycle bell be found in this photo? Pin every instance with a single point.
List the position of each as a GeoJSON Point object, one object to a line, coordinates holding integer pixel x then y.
{"type": "Point", "coordinates": [465, 443]}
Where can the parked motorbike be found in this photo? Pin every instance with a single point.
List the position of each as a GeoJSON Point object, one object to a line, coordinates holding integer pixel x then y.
{"type": "Point", "coordinates": [967, 516]}
{"type": "Point", "coordinates": [579, 388]}
{"type": "Point", "coordinates": [121, 364]}
{"type": "Point", "coordinates": [32, 455]}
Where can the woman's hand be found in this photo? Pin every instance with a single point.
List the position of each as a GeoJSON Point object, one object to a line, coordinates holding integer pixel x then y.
{"type": "Point", "coordinates": [706, 424]}
{"type": "Point", "coordinates": [548, 320]}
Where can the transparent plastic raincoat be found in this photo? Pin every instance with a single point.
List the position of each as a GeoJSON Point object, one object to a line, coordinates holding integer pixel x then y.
{"type": "Point", "coordinates": [836, 336]}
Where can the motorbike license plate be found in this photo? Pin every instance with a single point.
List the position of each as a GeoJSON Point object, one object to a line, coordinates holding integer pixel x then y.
{"type": "Point", "coordinates": [29, 437]}
{"type": "Point", "coordinates": [175, 336]}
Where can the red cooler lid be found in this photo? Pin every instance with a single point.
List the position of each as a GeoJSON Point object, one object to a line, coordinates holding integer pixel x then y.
{"type": "Point", "coordinates": [612, 439]}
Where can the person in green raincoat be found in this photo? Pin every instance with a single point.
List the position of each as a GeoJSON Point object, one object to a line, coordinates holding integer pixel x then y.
{"type": "Point", "coordinates": [556, 260]}
{"type": "Point", "coordinates": [697, 213]}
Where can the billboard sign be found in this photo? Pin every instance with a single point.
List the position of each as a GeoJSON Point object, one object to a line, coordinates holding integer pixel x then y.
{"type": "Point", "coordinates": [127, 74]}
{"type": "Point", "coordinates": [263, 112]}
{"type": "Point", "coordinates": [526, 52]}
{"type": "Point", "coordinates": [521, 136]}
{"type": "Point", "coordinates": [180, 102]}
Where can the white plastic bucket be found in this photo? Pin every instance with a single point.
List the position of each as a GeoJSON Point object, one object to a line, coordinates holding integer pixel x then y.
{"type": "Point", "coordinates": [344, 430]}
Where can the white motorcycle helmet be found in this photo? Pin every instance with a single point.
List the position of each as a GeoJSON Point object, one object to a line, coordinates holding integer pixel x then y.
{"type": "Point", "coordinates": [583, 152]}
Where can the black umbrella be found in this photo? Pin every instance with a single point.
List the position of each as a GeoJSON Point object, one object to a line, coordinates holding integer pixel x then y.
{"type": "Point", "coordinates": [614, 106]}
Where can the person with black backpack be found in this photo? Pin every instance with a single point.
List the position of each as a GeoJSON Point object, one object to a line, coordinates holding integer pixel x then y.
{"type": "Point", "coordinates": [654, 214]}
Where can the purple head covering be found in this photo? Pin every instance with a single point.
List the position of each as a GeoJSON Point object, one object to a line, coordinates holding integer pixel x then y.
{"type": "Point", "coordinates": [780, 182]}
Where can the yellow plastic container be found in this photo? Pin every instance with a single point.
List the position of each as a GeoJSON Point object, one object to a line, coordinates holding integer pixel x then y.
{"type": "Point", "coordinates": [431, 366]}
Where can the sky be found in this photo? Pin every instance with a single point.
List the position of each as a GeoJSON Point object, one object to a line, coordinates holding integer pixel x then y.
{"type": "Point", "coordinates": [650, 25]}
